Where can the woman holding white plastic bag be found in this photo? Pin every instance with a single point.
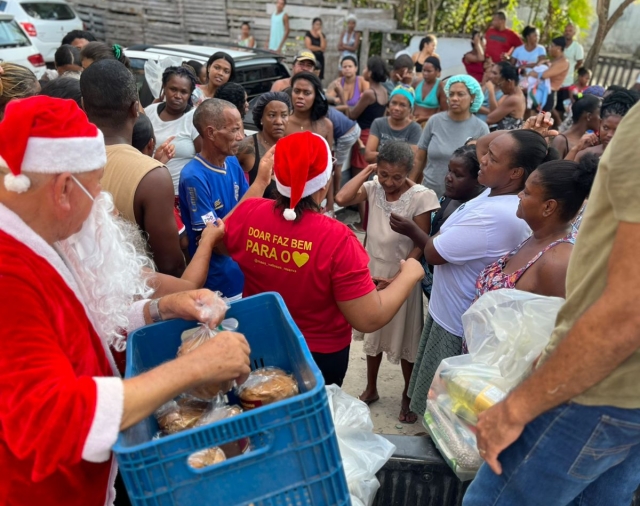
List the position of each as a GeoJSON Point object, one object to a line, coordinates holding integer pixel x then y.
{"type": "Point", "coordinates": [474, 236]}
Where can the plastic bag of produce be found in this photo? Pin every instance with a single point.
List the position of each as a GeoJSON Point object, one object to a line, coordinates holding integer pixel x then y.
{"type": "Point", "coordinates": [505, 330]}
{"type": "Point", "coordinates": [363, 452]}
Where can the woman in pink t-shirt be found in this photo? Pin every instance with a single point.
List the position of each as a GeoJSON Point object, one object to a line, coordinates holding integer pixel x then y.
{"type": "Point", "coordinates": [316, 263]}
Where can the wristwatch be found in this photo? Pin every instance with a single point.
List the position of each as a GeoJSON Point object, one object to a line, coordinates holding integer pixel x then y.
{"type": "Point", "coordinates": [154, 311]}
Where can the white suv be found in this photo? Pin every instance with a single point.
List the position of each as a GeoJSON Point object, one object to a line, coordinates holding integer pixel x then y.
{"type": "Point", "coordinates": [15, 46]}
{"type": "Point", "coordinates": [45, 21]}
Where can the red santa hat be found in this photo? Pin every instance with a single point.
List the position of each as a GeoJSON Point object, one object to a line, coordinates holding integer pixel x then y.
{"type": "Point", "coordinates": [47, 135]}
{"type": "Point", "coordinates": [302, 165]}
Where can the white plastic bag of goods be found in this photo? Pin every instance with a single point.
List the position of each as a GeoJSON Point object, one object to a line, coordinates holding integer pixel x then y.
{"type": "Point", "coordinates": [363, 452]}
{"type": "Point", "coordinates": [153, 72]}
{"type": "Point", "coordinates": [509, 329]}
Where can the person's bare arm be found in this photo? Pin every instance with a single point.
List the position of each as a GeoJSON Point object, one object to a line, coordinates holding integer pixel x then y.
{"type": "Point", "coordinates": [366, 99]}
{"type": "Point", "coordinates": [586, 142]}
{"type": "Point", "coordinates": [197, 143]}
{"type": "Point", "coordinates": [559, 143]}
{"type": "Point", "coordinates": [442, 97]}
{"type": "Point", "coordinates": [606, 335]}
{"type": "Point", "coordinates": [285, 20]}
{"type": "Point", "coordinates": [225, 357]}
{"type": "Point", "coordinates": [373, 311]}
{"type": "Point", "coordinates": [420, 162]}
{"type": "Point", "coordinates": [555, 70]}
{"type": "Point", "coordinates": [371, 149]}
{"type": "Point", "coordinates": [423, 221]}
{"type": "Point", "coordinates": [422, 240]}
{"type": "Point", "coordinates": [502, 110]}
{"type": "Point", "coordinates": [309, 45]}
{"type": "Point", "coordinates": [328, 126]}
{"type": "Point", "coordinates": [353, 192]}
{"type": "Point", "coordinates": [578, 65]}
{"type": "Point", "coordinates": [341, 46]}
{"type": "Point", "coordinates": [153, 208]}
{"type": "Point", "coordinates": [247, 154]}
{"type": "Point", "coordinates": [257, 189]}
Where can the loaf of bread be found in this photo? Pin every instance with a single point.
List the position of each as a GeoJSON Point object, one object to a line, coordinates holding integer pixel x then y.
{"type": "Point", "coordinates": [211, 390]}
{"type": "Point", "coordinates": [205, 458]}
{"type": "Point", "coordinates": [265, 386]}
{"type": "Point", "coordinates": [173, 417]}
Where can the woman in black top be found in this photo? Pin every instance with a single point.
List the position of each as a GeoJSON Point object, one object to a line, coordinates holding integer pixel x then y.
{"type": "Point", "coordinates": [270, 116]}
{"type": "Point", "coordinates": [371, 105]}
{"type": "Point", "coordinates": [316, 42]}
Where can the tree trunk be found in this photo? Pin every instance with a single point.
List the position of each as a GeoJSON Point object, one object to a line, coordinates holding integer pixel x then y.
{"type": "Point", "coordinates": [605, 24]}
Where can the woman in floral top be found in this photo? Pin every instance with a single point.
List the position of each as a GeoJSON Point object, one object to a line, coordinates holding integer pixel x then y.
{"type": "Point", "coordinates": [392, 192]}
{"type": "Point", "coordinates": [551, 199]}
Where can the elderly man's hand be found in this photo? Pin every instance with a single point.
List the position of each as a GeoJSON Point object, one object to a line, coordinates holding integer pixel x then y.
{"type": "Point", "coordinates": [202, 305]}
{"type": "Point", "coordinates": [497, 429]}
{"type": "Point", "coordinates": [224, 357]}
{"type": "Point", "coordinates": [265, 169]}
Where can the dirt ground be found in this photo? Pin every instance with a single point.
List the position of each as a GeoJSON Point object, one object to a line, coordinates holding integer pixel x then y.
{"type": "Point", "coordinates": [385, 411]}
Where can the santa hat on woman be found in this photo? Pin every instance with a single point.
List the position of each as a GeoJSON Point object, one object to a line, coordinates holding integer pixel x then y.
{"type": "Point", "coordinates": [45, 135]}
{"type": "Point", "coordinates": [302, 165]}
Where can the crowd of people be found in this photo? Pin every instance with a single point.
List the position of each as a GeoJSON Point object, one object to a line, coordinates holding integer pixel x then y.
{"type": "Point", "coordinates": [115, 216]}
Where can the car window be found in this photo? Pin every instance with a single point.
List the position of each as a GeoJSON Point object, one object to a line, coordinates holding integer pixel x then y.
{"type": "Point", "coordinates": [48, 10]}
{"type": "Point", "coordinates": [11, 35]}
{"type": "Point", "coordinates": [257, 80]}
{"type": "Point", "coordinates": [3, 6]}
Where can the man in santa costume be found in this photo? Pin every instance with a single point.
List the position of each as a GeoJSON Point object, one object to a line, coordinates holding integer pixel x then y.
{"type": "Point", "coordinates": [71, 285]}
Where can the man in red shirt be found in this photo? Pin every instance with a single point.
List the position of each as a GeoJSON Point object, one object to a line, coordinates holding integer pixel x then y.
{"type": "Point", "coordinates": [500, 39]}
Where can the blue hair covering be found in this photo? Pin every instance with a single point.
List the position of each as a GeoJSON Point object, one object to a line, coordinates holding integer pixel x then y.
{"type": "Point", "coordinates": [596, 91]}
{"type": "Point", "coordinates": [472, 85]}
{"type": "Point", "coordinates": [406, 91]}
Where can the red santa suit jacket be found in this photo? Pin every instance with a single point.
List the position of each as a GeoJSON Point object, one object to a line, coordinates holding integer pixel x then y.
{"type": "Point", "coordinates": [60, 404]}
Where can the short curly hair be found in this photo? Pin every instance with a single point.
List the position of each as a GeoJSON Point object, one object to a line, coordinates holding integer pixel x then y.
{"type": "Point", "coordinates": [264, 100]}
{"type": "Point", "coordinates": [234, 93]}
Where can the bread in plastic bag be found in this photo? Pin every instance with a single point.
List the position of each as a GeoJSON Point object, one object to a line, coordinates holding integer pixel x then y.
{"type": "Point", "coordinates": [206, 458]}
{"type": "Point", "coordinates": [219, 410]}
{"type": "Point", "coordinates": [173, 417]}
{"type": "Point", "coordinates": [266, 386]}
{"type": "Point", "coordinates": [194, 338]}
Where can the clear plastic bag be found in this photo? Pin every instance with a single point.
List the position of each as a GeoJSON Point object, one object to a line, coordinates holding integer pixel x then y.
{"type": "Point", "coordinates": [509, 329]}
{"type": "Point", "coordinates": [153, 72]}
{"type": "Point", "coordinates": [219, 410]}
{"type": "Point", "coordinates": [176, 416]}
{"type": "Point", "coordinates": [194, 338]}
{"type": "Point", "coordinates": [266, 386]}
{"type": "Point", "coordinates": [363, 452]}
{"type": "Point", "coordinates": [505, 330]}
{"type": "Point", "coordinates": [206, 458]}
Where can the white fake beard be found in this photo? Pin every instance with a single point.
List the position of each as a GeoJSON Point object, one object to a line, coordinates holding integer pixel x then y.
{"type": "Point", "coordinates": [108, 268]}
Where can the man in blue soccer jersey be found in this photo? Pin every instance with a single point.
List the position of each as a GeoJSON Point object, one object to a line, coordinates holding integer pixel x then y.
{"type": "Point", "coordinates": [212, 184]}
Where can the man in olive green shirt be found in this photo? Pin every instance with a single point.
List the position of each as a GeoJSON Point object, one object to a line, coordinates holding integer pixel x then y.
{"type": "Point", "coordinates": [570, 433]}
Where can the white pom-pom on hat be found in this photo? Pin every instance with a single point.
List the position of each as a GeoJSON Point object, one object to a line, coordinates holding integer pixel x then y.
{"type": "Point", "coordinates": [289, 215]}
{"type": "Point", "coordinates": [18, 184]}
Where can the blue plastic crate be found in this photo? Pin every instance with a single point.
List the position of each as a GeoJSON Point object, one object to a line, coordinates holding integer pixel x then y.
{"type": "Point", "coordinates": [294, 461]}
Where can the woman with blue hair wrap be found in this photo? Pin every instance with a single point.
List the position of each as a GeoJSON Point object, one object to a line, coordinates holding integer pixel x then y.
{"type": "Point", "coordinates": [397, 126]}
{"type": "Point", "coordinates": [446, 131]}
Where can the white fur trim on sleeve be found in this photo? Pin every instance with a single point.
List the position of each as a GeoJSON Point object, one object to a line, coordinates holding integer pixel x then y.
{"type": "Point", "coordinates": [106, 420]}
{"type": "Point", "coordinates": [136, 315]}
